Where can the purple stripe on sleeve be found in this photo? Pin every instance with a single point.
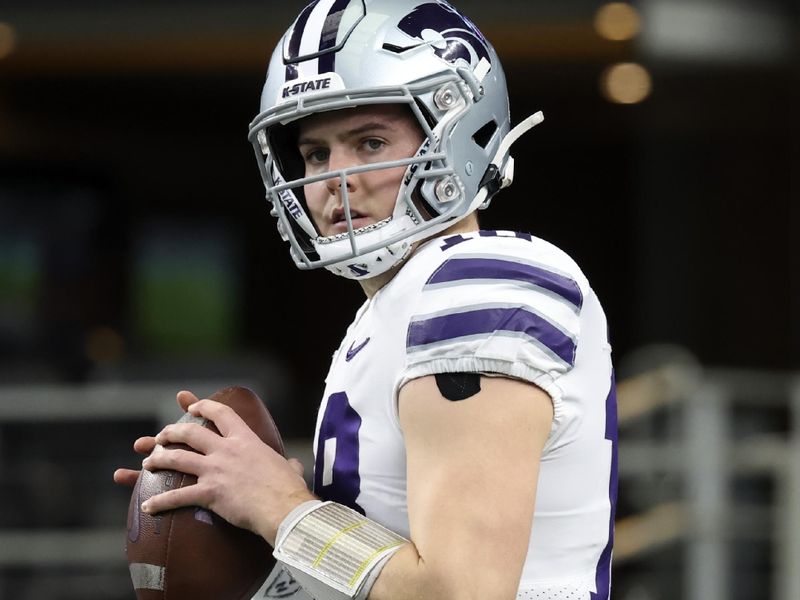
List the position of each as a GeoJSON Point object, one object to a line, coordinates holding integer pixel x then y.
{"type": "Point", "coordinates": [330, 31]}
{"type": "Point", "coordinates": [603, 572]}
{"type": "Point", "coordinates": [459, 269]}
{"type": "Point", "coordinates": [490, 320]}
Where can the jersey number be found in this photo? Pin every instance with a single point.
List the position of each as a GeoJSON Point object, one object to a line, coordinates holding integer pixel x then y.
{"type": "Point", "coordinates": [336, 467]}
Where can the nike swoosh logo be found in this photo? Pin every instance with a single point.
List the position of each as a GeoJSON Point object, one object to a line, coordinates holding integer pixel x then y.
{"type": "Point", "coordinates": [355, 350]}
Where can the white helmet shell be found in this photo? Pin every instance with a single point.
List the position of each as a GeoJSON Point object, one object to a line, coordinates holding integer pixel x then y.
{"type": "Point", "coordinates": [426, 55]}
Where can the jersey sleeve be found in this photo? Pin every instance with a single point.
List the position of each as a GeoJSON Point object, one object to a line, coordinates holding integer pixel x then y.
{"type": "Point", "coordinates": [497, 314]}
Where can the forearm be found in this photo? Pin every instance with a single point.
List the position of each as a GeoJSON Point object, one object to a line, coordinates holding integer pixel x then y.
{"type": "Point", "coordinates": [408, 576]}
{"type": "Point", "coordinates": [327, 546]}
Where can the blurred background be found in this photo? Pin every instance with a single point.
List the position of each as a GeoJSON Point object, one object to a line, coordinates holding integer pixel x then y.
{"type": "Point", "coordinates": [138, 257]}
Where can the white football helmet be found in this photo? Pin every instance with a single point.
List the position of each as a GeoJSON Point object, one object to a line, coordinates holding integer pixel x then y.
{"type": "Point", "coordinates": [421, 53]}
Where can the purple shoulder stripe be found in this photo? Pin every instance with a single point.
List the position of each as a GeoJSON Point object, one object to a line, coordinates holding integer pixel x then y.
{"type": "Point", "coordinates": [488, 321]}
{"type": "Point", "coordinates": [460, 269]}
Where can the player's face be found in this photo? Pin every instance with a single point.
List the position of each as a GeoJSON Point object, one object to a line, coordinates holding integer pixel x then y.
{"type": "Point", "coordinates": [353, 137]}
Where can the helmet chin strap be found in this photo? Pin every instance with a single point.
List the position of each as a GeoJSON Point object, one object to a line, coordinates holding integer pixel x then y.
{"type": "Point", "coordinates": [375, 262]}
{"type": "Point", "coordinates": [502, 160]}
{"type": "Point", "coordinates": [372, 263]}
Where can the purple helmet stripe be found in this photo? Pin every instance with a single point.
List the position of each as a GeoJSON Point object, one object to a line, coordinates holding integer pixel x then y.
{"type": "Point", "coordinates": [459, 269]}
{"type": "Point", "coordinates": [603, 572]}
{"type": "Point", "coordinates": [330, 31]}
{"type": "Point", "coordinates": [293, 51]}
{"type": "Point", "coordinates": [299, 30]}
{"type": "Point", "coordinates": [490, 320]}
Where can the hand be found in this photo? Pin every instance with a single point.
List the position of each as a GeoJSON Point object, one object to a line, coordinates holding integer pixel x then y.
{"type": "Point", "coordinates": [145, 445]}
{"type": "Point", "coordinates": [239, 477]}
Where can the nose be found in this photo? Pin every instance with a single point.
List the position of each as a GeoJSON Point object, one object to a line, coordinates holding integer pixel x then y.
{"type": "Point", "coordinates": [334, 185]}
{"type": "Point", "coordinates": [337, 161]}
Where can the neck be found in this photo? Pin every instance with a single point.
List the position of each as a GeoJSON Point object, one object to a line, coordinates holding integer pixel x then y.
{"type": "Point", "coordinates": [372, 285]}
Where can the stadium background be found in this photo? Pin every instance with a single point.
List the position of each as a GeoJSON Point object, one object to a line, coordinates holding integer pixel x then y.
{"type": "Point", "coordinates": [137, 257]}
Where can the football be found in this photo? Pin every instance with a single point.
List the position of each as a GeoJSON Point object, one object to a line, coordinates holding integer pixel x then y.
{"type": "Point", "coordinates": [191, 552]}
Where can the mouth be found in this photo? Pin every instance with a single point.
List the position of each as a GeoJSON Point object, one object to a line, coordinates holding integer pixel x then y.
{"type": "Point", "coordinates": [339, 221]}
{"type": "Point", "coordinates": [369, 225]}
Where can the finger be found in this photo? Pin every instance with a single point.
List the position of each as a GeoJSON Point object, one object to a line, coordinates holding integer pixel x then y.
{"type": "Point", "coordinates": [198, 437]}
{"type": "Point", "coordinates": [174, 459]}
{"type": "Point", "coordinates": [224, 417]}
{"type": "Point", "coordinates": [126, 477]}
{"type": "Point", "coordinates": [191, 495]}
{"type": "Point", "coordinates": [297, 466]}
{"type": "Point", "coordinates": [186, 399]}
{"type": "Point", "coordinates": [144, 445]}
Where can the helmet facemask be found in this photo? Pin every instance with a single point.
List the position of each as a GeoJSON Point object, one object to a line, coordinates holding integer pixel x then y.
{"type": "Point", "coordinates": [430, 196]}
{"type": "Point", "coordinates": [424, 54]}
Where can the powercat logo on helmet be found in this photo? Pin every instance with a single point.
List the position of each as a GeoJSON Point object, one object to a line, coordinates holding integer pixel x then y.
{"type": "Point", "coordinates": [326, 82]}
{"type": "Point", "coordinates": [460, 38]}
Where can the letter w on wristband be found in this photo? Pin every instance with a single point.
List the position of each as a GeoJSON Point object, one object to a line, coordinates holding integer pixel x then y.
{"type": "Point", "coordinates": [337, 547]}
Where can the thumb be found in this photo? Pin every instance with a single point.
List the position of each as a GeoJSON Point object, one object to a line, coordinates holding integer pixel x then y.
{"type": "Point", "coordinates": [186, 399]}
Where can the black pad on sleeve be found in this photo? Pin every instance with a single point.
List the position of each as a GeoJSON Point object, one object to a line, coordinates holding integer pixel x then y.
{"type": "Point", "coordinates": [458, 386]}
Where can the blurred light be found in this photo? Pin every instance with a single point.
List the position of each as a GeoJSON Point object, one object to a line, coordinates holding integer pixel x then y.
{"type": "Point", "coordinates": [104, 345]}
{"type": "Point", "coordinates": [626, 83]}
{"type": "Point", "coordinates": [712, 30]}
{"type": "Point", "coordinates": [617, 21]}
{"type": "Point", "coordinates": [8, 40]}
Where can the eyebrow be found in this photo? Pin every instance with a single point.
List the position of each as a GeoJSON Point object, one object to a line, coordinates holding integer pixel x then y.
{"type": "Point", "coordinates": [360, 130]}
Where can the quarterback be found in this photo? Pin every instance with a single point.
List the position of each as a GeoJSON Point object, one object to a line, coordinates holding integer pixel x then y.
{"type": "Point", "coordinates": [466, 441]}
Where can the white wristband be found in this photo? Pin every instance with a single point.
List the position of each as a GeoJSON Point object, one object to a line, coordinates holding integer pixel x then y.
{"type": "Point", "coordinates": [334, 552]}
{"type": "Point", "coordinates": [293, 517]}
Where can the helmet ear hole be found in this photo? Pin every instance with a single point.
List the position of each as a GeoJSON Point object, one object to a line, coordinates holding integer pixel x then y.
{"type": "Point", "coordinates": [421, 204]}
{"type": "Point", "coordinates": [485, 134]}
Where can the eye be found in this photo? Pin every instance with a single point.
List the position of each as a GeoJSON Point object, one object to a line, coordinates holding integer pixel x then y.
{"type": "Point", "coordinates": [374, 144]}
{"type": "Point", "coordinates": [316, 155]}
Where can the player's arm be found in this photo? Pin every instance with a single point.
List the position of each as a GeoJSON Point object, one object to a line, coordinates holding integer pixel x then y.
{"type": "Point", "coordinates": [473, 466]}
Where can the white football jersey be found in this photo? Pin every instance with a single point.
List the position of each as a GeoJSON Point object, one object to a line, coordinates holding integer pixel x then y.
{"type": "Point", "coordinates": [497, 303]}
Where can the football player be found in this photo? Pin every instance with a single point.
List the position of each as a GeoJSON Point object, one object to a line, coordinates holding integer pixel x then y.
{"type": "Point", "coordinates": [466, 441]}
